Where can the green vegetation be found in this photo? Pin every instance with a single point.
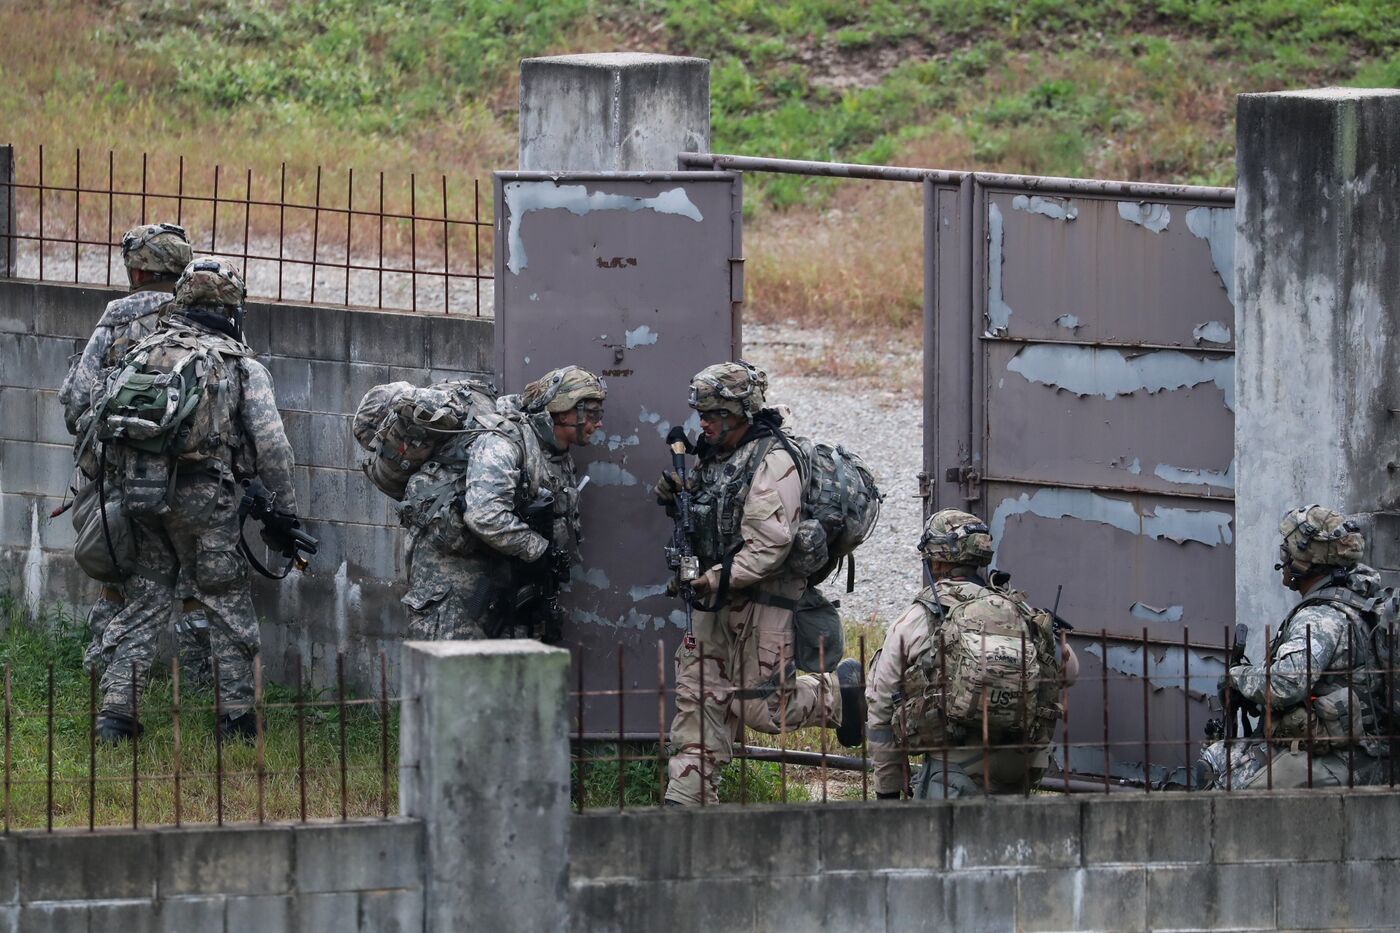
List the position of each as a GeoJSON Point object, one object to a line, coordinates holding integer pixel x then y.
{"type": "Point", "coordinates": [27, 648]}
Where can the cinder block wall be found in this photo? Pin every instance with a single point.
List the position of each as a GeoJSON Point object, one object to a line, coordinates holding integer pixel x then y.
{"type": "Point", "coordinates": [322, 360]}
{"type": "Point", "coordinates": [327, 876]}
{"type": "Point", "coordinates": [1285, 861]}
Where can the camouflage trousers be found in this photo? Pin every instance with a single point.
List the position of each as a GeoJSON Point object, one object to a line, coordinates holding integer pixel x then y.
{"type": "Point", "coordinates": [972, 770]}
{"type": "Point", "coordinates": [749, 680]}
{"type": "Point", "coordinates": [191, 638]}
{"type": "Point", "coordinates": [449, 595]}
{"type": "Point", "coordinates": [1261, 765]}
{"type": "Point", "coordinates": [189, 554]}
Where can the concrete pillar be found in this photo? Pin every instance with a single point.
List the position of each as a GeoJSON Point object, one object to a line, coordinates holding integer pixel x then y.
{"type": "Point", "coordinates": [1317, 272]}
{"type": "Point", "coordinates": [613, 112]}
{"type": "Point", "coordinates": [484, 736]}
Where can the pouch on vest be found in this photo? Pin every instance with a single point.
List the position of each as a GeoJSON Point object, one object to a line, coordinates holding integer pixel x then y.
{"type": "Point", "coordinates": [817, 633]}
{"type": "Point", "coordinates": [108, 562]}
{"type": "Point", "coordinates": [992, 667]}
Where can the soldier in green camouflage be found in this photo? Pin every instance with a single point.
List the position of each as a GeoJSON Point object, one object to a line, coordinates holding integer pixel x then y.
{"type": "Point", "coordinates": [1315, 698]}
{"type": "Point", "coordinates": [922, 704]}
{"type": "Point", "coordinates": [468, 546]}
{"type": "Point", "coordinates": [154, 255]}
{"type": "Point", "coordinates": [187, 545]}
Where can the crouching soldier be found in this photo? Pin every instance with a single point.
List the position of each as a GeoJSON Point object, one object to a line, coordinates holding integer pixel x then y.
{"type": "Point", "coordinates": [1316, 704]}
{"type": "Point", "coordinates": [969, 677]}
{"type": "Point", "coordinates": [184, 417]}
{"type": "Point", "coordinates": [493, 515]}
{"type": "Point", "coordinates": [745, 504]}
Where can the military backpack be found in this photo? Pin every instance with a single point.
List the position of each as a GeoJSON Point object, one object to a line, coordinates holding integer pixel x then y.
{"type": "Point", "coordinates": [403, 427]}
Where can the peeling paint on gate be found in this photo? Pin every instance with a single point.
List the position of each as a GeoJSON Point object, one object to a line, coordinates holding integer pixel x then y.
{"type": "Point", "coordinates": [1153, 614]}
{"type": "Point", "coordinates": [1211, 332]}
{"type": "Point", "coordinates": [1166, 667]}
{"type": "Point", "coordinates": [1155, 217]}
{"type": "Point", "coordinates": [609, 474]}
{"type": "Point", "coordinates": [1175, 474]}
{"type": "Point", "coordinates": [998, 311]}
{"type": "Point", "coordinates": [1111, 373]}
{"type": "Point", "coordinates": [1054, 208]}
{"type": "Point", "coordinates": [1216, 225]}
{"type": "Point", "coordinates": [642, 336]}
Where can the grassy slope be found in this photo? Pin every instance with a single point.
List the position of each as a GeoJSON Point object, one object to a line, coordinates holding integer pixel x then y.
{"type": "Point", "coordinates": [1109, 88]}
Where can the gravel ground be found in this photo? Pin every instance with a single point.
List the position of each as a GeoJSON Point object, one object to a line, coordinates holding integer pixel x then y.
{"type": "Point", "coordinates": [878, 417]}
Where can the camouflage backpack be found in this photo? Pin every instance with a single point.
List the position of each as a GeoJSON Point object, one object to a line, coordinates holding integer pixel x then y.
{"type": "Point", "coordinates": [996, 669]}
{"type": "Point", "coordinates": [840, 507]}
{"type": "Point", "coordinates": [170, 401]}
{"type": "Point", "coordinates": [402, 427]}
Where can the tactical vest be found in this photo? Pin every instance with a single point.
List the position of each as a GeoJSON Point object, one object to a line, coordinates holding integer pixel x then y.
{"type": "Point", "coordinates": [998, 667]}
{"type": "Point", "coordinates": [1343, 697]}
{"type": "Point", "coordinates": [717, 505]}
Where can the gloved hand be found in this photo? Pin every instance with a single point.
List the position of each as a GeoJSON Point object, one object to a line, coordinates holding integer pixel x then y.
{"type": "Point", "coordinates": [668, 485]}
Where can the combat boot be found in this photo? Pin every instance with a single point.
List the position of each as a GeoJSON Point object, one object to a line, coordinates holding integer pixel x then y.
{"type": "Point", "coordinates": [116, 728]}
{"type": "Point", "coordinates": [851, 732]}
{"type": "Point", "coordinates": [243, 727]}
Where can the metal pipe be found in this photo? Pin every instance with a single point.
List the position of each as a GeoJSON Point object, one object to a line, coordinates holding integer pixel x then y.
{"type": "Point", "coordinates": [738, 163]}
{"type": "Point", "coordinates": [1104, 344]}
{"type": "Point", "coordinates": [1100, 487]}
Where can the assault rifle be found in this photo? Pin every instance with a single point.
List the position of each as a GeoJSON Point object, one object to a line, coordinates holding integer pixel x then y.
{"type": "Point", "coordinates": [534, 601]}
{"type": "Point", "coordinates": [281, 530]}
{"type": "Point", "coordinates": [680, 555]}
{"type": "Point", "coordinates": [1236, 709]}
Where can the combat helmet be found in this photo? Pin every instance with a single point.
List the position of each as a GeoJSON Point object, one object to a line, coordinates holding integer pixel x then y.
{"type": "Point", "coordinates": [1317, 538]}
{"type": "Point", "coordinates": [738, 388]}
{"type": "Point", "coordinates": [563, 389]}
{"type": "Point", "coordinates": [207, 282]}
{"type": "Point", "coordinates": [160, 248]}
{"type": "Point", "coordinates": [955, 537]}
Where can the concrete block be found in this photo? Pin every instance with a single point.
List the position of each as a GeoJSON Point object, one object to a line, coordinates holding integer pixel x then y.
{"type": "Point", "coordinates": [1082, 899]}
{"type": "Point", "coordinates": [61, 310]}
{"type": "Point", "coordinates": [385, 337]}
{"type": "Point", "coordinates": [1338, 895]}
{"type": "Point", "coordinates": [310, 331]}
{"type": "Point", "coordinates": [263, 914]}
{"type": "Point", "coordinates": [461, 343]}
{"type": "Point", "coordinates": [55, 918]}
{"type": "Point", "coordinates": [341, 496]}
{"type": "Point", "coordinates": [883, 836]}
{"type": "Point", "coordinates": [358, 856]}
{"type": "Point", "coordinates": [291, 382]}
{"type": "Point", "coordinates": [1372, 825]}
{"type": "Point", "coordinates": [257, 323]}
{"type": "Point", "coordinates": [418, 375]}
{"type": "Point", "coordinates": [34, 361]}
{"type": "Point", "coordinates": [960, 900]}
{"type": "Point", "coordinates": [613, 112]}
{"type": "Point", "coordinates": [105, 866]}
{"type": "Point", "coordinates": [1255, 827]}
{"type": "Point", "coordinates": [338, 387]}
{"type": "Point", "coordinates": [1139, 828]}
{"type": "Point", "coordinates": [135, 917]}
{"type": "Point", "coordinates": [9, 871]}
{"type": "Point", "coordinates": [1043, 832]}
{"type": "Point", "coordinates": [799, 903]}
{"type": "Point", "coordinates": [9, 919]}
{"type": "Point", "coordinates": [323, 440]}
{"type": "Point", "coordinates": [231, 860]}
{"type": "Point", "coordinates": [39, 469]}
{"type": "Point", "coordinates": [743, 842]}
{"type": "Point", "coordinates": [190, 914]}
{"type": "Point", "coordinates": [32, 415]}
{"type": "Point", "coordinates": [16, 307]}
{"type": "Point", "coordinates": [1211, 897]}
{"type": "Point", "coordinates": [391, 911]}
{"type": "Point", "coordinates": [317, 913]}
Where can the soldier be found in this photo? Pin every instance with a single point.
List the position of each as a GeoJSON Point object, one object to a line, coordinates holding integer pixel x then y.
{"type": "Point", "coordinates": [155, 255]}
{"type": "Point", "coordinates": [182, 497]}
{"type": "Point", "coordinates": [1323, 726]}
{"type": "Point", "coordinates": [994, 645]}
{"type": "Point", "coordinates": [473, 553]}
{"type": "Point", "coordinates": [745, 504]}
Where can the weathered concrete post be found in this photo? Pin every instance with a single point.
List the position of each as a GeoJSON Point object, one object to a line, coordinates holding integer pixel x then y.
{"type": "Point", "coordinates": [1317, 260]}
{"type": "Point", "coordinates": [485, 724]}
{"type": "Point", "coordinates": [612, 112]}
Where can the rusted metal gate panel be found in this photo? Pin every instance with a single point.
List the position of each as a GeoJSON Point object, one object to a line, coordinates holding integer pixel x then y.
{"type": "Point", "coordinates": [637, 277]}
{"type": "Point", "coordinates": [1083, 392]}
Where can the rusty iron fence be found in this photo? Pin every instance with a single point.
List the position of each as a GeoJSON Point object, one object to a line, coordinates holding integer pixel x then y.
{"type": "Point", "coordinates": [806, 765]}
{"type": "Point", "coordinates": [73, 793]}
{"type": "Point", "coordinates": [410, 244]}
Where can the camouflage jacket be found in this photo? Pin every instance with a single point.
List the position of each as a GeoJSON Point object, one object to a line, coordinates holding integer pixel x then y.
{"type": "Point", "coordinates": [125, 322]}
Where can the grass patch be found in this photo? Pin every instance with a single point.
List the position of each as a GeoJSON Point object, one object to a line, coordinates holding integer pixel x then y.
{"type": "Point", "coordinates": [28, 646]}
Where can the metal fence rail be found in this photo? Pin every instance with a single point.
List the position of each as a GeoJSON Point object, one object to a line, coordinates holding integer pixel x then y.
{"type": "Point", "coordinates": [367, 242]}
{"type": "Point", "coordinates": [629, 768]}
{"type": "Point", "coordinates": [88, 781]}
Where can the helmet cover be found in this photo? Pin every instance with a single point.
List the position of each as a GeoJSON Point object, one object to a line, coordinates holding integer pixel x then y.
{"type": "Point", "coordinates": [163, 248]}
{"type": "Point", "coordinates": [1315, 538]}
{"type": "Point", "coordinates": [563, 389]}
{"type": "Point", "coordinates": [210, 282]}
{"type": "Point", "coordinates": [956, 537]}
{"type": "Point", "coordinates": [738, 388]}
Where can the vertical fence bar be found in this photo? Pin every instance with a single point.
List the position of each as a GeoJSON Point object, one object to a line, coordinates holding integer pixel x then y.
{"type": "Point", "coordinates": [1268, 706]}
{"type": "Point", "coordinates": [1064, 692]}
{"type": "Point", "coordinates": [214, 222]}
{"type": "Point", "coordinates": [1103, 655]}
{"type": "Point", "coordinates": [782, 723]}
{"type": "Point", "coordinates": [258, 732]}
{"type": "Point", "coordinates": [1023, 720]}
{"type": "Point", "coordinates": [315, 234]}
{"type": "Point", "coordinates": [1186, 701]}
{"type": "Point", "coordinates": [743, 736]}
{"type": "Point", "coordinates": [1228, 714]}
{"type": "Point", "coordinates": [700, 647]}
{"type": "Point", "coordinates": [413, 240]}
{"type": "Point", "coordinates": [864, 739]}
{"type": "Point", "coordinates": [578, 742]}
{"type": "Point", "coordinates": [180, 193]}
{"type": "Point", "coordinates": [111, 188]}
{"type": "Point", "coordinates": [383, 736]}
{"type": "Point", "coordinates": [660, 721]}
{"type": "Point", "coordinates": [301, 738]}
{"type": "Point", "coordinates": [218, 748]}
{"type": "Point", "coordinates": [77, 207]}
{"type": "Point", "coordinates": [621, 759]}
{"type": "Point", "coordinates": [143, 187]}
{"type": "Point", "coordinates": [1146, 718]}
{"type": "Point", "coordinates": [476, 240]}
{"type": "Point", "coordinates": [340, 710]}
{"type": "Point", "coordinates": [821, 698]}
{"type": "Point", "coordinates": [380, 264]}
{"type": "Point", "coordinates": [175, 729]}
{"type": "Point", "coordinates": [7, 748]}
{"type": "Point", "coordinates": [942, 698]}
{"type": "Point", "coordinates": [1308, 701]}
{"type": "Point", "coordinates": [92, 748]}
{"type": "Point", "coordinates": [41, 213]}
{"type": "Point", "coordinates": [135, 746]}
{"type": "Point", "coordinates": [446, 268]}
{"type": "Point", "coordinates": [986, 731]}
{"type": "Point", "coordinates": [247, 220]}
{"type": "Point", "coordinates": [49, 806]}
{"type": "Point", "coordinates": [1390, 696]}
{"type": "Point", "coordinates": [349, 227]}
{"type": "Point", "coordinates": [281, 242]}
{"type": "Point", "coordinates": [1351, 712]}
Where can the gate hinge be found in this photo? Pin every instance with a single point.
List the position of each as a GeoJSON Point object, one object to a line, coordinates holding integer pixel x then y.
{"type": "Point", "coordinates": [969, 481]}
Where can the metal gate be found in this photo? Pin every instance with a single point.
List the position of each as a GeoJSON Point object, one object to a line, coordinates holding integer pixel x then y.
{"type": "Point", "coordinates": [636, 277]}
